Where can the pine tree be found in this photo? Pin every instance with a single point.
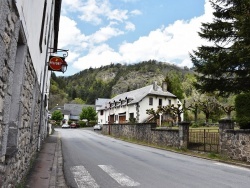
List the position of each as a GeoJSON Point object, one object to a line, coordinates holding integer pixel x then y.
{"type": "Point", "coordinates": [224, 66]}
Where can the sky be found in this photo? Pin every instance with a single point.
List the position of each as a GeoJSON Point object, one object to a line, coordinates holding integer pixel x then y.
{"type": "Point", "coordinates": [101, 32]}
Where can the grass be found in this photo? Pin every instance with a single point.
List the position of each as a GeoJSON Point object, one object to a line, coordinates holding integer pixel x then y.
{"type": "Point", "coordinates": [200, 154]}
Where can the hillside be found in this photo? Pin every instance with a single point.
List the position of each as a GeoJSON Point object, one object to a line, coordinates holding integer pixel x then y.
{"type": "Point", "coordinates": [108, 81]}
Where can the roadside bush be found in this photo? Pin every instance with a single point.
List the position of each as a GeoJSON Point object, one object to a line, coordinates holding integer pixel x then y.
{"type": "Point", "coordinates": [91, 123]}
{"type": "Point", "coordinates": [82, 123]}
{"type": "Point", "coordinates": [242, 108]}
{"type": "Point", "coordinates": [195, 125]}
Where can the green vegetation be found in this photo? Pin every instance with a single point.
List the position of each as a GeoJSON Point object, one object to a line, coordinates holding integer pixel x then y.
{"type": "Point", "coordinates": [205, 155]}
{"type": "Point", "coordinates": [111, 80]}
{"type": "Point", "coordinates": [242, 105]}
{"type": "Point", "coordinates": [174, 85]}
{"type": "Point", "coordinates": [57, 115]}
{"type": "Point", "coordinates": [223, 65]}
{"type": "Point", "coordinates": [107, 81]}
{"type": "Point", "coordinates": [88, 113]}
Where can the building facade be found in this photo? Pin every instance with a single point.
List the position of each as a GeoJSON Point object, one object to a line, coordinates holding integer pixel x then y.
{"type": "Point", "coordinates": [131, 106]}
{"type": "Point", "coordinates": [28, 33]}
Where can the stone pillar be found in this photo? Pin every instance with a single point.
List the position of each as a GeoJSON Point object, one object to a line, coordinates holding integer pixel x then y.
{"type": "Point", "coordinates": [224, 124]}
{"type": "Point", "coordinates": [184, 134]}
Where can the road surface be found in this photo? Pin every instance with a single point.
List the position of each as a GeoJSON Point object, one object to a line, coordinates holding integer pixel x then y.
{"type": "Point", "coordinates": [92, 160]}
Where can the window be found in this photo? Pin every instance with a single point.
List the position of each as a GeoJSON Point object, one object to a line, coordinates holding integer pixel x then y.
{"type": "Point", "coordinates": [150, 101]}
{"type": "Point", "coordinates": [42, 26]}
{"type": "Point", "coordinates": [160, 102]}
{"type": "Point", "coordinates": [169, 102]}
{"type": "Point", "coordinates": [131, 115]}
{"type": "Point", "coordinates": [101, 112]}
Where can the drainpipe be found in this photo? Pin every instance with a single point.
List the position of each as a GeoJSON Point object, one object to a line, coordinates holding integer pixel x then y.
{"type": "Point", "coordinates": [44, 77]}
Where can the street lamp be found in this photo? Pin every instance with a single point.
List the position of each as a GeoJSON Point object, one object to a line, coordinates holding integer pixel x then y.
{"type": "Point", "coordinates": [64, 67]}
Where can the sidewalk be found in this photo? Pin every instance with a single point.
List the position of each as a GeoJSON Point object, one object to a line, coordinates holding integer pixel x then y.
{"type": "Point", "coordinates": [47, 171]}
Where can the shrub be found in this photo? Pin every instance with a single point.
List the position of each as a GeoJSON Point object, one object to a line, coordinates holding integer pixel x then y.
{"type": "Point", "coordinates": [82, 123]}
{"type": "Point", "coordinates": [195, 125]}
{"type": "Point", "coordinates": [242, 108]}
{"type": "Point", "coordinates": [91, 123]}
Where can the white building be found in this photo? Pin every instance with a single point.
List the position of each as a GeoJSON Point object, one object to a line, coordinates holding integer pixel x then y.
{"type": "Point", "coordinates": [132, 105]}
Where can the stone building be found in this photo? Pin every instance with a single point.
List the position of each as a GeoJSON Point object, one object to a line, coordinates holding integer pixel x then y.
{"type": "Point", "coordinates": [28, 33]}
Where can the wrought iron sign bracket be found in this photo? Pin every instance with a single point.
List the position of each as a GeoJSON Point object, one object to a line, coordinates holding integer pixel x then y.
{"type": "Point", "coordinates": [64, 52]}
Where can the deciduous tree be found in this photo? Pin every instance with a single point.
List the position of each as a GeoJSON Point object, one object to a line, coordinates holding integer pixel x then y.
{"type": "Point", "coordinates": [88, 113]}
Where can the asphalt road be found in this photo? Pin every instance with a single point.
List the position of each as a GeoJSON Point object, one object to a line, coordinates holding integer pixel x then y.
{"type": "Point", "coordinates": [92, 160]}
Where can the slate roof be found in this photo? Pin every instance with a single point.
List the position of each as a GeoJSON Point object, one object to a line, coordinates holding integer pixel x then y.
{"type": "Point", "coordinates": [100, 101]}
{"type": "Point", "coordinates": [138, 94]}
{"type": "Point", "coordinates": [76, 109]}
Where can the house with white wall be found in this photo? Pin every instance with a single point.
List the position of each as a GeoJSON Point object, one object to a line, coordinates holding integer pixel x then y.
{"type": "Point", "coordinates": [132, 105]}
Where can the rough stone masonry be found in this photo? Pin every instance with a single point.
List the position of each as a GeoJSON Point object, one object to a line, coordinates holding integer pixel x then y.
{"type": "Point", "coordinates": [20, 99]}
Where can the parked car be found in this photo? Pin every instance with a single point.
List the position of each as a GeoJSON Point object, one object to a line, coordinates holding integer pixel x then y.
{"type": "Point", "coordinates": [65, 125]}
{"type": "Point", "coordinates": [74, 125]}
{"type": "Point", "coordinates": [98, 127]}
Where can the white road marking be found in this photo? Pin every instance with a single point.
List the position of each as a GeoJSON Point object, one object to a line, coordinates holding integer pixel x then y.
{"type": "Point", "coordinates": [83, 178]}
{"type": "Point", "coordinates": [232, 166]}
{"type": "Point", "coordinates": [121, 178]}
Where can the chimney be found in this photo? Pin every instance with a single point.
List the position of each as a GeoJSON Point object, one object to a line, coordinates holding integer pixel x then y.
{"type": "Point", "coordinates": [155, 86]}
{"type": "Point", "coordinates": [164, 86]}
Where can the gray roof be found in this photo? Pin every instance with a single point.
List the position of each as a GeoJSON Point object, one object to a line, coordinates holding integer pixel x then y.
{"type": "Point", "coordinates": [100, 101]}
{"type": "Point", "coordinates": [76, 109]}
{"type": "Point", "coordinates": [56, 108]}
{"type": "Point", "coordinates": [138, 94]}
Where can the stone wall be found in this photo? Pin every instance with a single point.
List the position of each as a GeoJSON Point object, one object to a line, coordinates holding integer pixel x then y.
{"type": "Point", "coordinates": [20, 99]}
{"type": "Point", "coordinates": [149, 134]}
{"type": "Point", "coordinates": [234, 144]}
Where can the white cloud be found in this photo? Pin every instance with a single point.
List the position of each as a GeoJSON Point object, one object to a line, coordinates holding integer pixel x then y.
{"type": "Point", "coordinates": [69, 32]}
{"type": "Point", "coordinates": [104, 34]}
{"type": "Point", "coordinates": [130, 26]}
{"type": "Point", "coordinates": [92, 10]}
{"type": "Point", "coordinates": [119, 15]}
{"type": "Point", "coordinates": [97, 57]}
{"type": "Point", "coordinates": [72, 57]}
{"type": "Point", "coordinates": [135, 12]}
{"type": "Point", "coordinates": [171, 43]}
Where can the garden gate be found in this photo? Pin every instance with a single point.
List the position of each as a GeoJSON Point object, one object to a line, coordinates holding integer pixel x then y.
{"type": "Point", "coordinates": [204, 140]}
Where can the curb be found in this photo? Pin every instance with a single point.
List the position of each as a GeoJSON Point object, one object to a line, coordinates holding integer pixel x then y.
{"type": "Point", "coordinates": [57, 179]}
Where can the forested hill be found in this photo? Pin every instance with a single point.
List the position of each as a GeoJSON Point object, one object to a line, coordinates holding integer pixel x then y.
{"type": "Point", "coordinates": [108, 81]}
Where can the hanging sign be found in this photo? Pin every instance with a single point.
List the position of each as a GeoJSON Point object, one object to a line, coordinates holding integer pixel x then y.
{"type": "Point", "coordinates": [57, 63]}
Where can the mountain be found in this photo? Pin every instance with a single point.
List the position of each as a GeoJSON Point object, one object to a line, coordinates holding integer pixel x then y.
{"type": "Point", "coordinates": [109, 81]}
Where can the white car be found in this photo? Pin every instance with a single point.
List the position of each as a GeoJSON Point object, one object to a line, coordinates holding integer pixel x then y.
{"type": "Point", "coordinates": [65, 125]}
{"type": "Point", "coordinates": [98, 127]}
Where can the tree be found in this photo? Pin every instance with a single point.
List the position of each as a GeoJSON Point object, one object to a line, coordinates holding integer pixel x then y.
{"type": "Point", "coordinates": [208, 106]}
{"type": "Point", "coordinates": [88, 113]}
{"type": "Point", "coordinates": [173, 111]}
{"type": "Point", "coordinates": [242, 107]}
{"type": "Point", "coordinates": [57, 115]}
{"type": "Point", "coordinates": [77, 101]}
{"type": "Point", "coordinates": [224, 66]}
{"type": "Point", "coordinates": [194, 107]}
{"type": "Point", "coordinates": [173, 80]}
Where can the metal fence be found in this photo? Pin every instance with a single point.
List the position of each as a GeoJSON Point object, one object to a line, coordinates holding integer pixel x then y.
{"type": "Point", "coordinates": [206, 140]}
